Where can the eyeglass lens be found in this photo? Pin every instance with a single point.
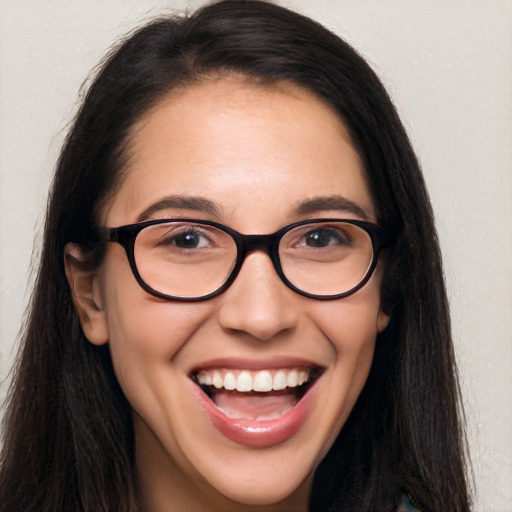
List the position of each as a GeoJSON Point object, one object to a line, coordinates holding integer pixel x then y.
{"type": "Point", "coordinates": [186, 259]}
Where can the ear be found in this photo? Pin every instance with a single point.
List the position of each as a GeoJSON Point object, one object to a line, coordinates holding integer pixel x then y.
{"type": "Point", "coordinates": [86, 292]}
{"type": "Point", "coordinates": [382, 320]}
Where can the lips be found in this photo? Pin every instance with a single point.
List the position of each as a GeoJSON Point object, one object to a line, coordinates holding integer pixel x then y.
{"type": "Point", "coordinates": [256, 407]}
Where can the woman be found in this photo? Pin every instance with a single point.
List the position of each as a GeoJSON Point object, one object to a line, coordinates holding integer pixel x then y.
{"type": "Point", "coordinates": [168, 362]}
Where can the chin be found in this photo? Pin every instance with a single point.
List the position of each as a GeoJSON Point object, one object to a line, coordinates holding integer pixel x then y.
{"type": "Point", "coordinates": [265, 488]}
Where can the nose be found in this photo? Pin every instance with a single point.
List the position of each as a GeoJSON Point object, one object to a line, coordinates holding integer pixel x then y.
{"type": "Point", "coordinates": [258, 303]}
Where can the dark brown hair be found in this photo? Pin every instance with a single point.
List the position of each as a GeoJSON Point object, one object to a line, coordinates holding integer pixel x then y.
{"type": "Point", "coordinates": [68, 441]}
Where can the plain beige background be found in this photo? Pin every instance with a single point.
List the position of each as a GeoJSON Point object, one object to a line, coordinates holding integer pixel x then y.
{"type": "Point", "coordinates": [447, 64]}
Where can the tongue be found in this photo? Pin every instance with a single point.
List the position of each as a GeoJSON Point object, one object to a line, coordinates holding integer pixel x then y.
{"type": "Point", "coordinates": [252, 407]}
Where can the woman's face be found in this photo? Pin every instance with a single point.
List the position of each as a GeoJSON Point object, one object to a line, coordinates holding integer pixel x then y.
{"type": "Point", "coordinates": [257, 158]}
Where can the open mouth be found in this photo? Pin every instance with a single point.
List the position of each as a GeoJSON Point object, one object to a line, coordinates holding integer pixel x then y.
{"type": "Point", "coordinates": [260, 395]}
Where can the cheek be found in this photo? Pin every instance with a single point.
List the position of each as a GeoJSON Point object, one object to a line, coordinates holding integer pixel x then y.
{"type": "Point", "coordinates": [350, 326]}
{"type": "Point", "coordinates": [351, 323]}
{"type": "Point", "coordinates": [145, 333]}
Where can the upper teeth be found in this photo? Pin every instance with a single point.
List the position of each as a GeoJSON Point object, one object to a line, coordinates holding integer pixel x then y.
{"type": "Point", "coordinates": [245, 380]}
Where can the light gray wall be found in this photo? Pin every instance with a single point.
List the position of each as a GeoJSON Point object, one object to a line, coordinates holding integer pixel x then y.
{"type": "Point", "coordinates": [448, 67]}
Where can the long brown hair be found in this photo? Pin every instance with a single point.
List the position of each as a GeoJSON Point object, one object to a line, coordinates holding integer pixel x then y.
{"type": "Point", "coordinates": [68, 441]}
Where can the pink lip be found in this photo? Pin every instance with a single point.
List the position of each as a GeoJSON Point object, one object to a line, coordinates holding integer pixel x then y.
{"type": "Point", "coordinates": [257, 434]}
{"type": "Point", "coordinates": [251, 364]}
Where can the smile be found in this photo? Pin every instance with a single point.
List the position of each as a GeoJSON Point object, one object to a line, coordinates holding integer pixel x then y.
{"type": "Point", "coordinates": [257, 407]}
{"type": "Point", "coordinates": [246, 381]}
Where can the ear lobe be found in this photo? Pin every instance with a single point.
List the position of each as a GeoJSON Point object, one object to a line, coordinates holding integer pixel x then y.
{"type": "Point", "coordinates": [382, 320]}
{"type": "Point", "coordinates": [86, 292]}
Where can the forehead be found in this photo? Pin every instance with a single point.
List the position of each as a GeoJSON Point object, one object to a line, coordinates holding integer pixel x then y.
{"type": "Point", "coordinates": [244, 146]}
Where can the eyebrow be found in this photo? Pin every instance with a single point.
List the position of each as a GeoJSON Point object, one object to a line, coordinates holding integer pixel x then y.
{"type": "Point", "coordinates": [201, 204]}
{"type": "Point", "coordinates": [195, 203]}
{"type": "Point", "coordinates": [334, 202]}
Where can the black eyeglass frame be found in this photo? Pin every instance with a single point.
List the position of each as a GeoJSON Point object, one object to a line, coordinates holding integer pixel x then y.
{"type": "Point", "coordinates": [269, 244]}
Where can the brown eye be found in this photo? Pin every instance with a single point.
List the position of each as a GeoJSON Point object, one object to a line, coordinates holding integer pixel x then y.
{"type": "Point", "coordinates": [187, 241]}
{"type": "Point", "coordinates": [324, 237]}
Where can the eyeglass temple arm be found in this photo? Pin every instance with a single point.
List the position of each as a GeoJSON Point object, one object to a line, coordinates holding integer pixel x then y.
{"type": "Point", "coordinates": [110, 234]}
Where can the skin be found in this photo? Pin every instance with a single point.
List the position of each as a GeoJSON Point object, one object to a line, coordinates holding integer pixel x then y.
{"type": "Point", "coordinates": [257, 152]}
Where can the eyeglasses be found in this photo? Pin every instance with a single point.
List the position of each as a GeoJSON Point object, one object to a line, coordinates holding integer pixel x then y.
{"type": "Point", "coordinates": [192, 260]}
